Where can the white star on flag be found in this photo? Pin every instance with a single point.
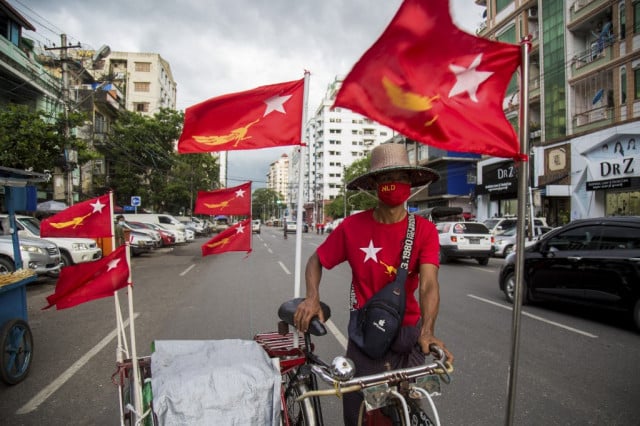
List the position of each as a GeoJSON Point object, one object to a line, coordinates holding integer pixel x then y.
{"type": "Point", "coordinates": [370, 252]}
{"type": "Point", "coordinates": [113, 264]}
{"type": "Point", "coordinates": [240, 193]}
{"type": "Point", "coordinates": [468, 79]}
{"type": "Point", "coordinates": [240, 229]}
{"type": "Point", "coordinates": [276, 103]}
{"type": "Point", "coordinates": [97, 206]}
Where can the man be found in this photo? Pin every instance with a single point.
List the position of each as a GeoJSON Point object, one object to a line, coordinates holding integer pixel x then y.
{"type": "Point", "coordinates": [371, 241]}
{"type": "Point", "coordinates": [119, 230]}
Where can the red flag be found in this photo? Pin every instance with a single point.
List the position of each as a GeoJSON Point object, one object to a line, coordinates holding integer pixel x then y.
{"type": "Point", "coordinates": [436, 84]}
{"type": "Point", "coordinates": [235, 238]}
{"type": "Point", "coordinates": [236, 200]}
{"type": "Point", "coordinates": [90, 280]}
{"type": "Point", "coordinates": [264, 117]}
{"type": "Point", "coordinates": [91, 219]}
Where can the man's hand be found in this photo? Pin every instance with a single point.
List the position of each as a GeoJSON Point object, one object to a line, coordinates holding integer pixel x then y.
{"type": "Point", "coordinates": [427, 340]}
{"type": "Point", "coordinates": [307, 309]}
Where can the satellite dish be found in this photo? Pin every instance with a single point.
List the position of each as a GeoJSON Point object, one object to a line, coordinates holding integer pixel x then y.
{"type": "Point", "coordinates": [101, 53]}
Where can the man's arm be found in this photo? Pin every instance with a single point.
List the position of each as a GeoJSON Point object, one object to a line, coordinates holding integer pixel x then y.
{"type": "Point", "coordinates": [429, 306]}
{"type": "Point", "coordinates": [310, 307]}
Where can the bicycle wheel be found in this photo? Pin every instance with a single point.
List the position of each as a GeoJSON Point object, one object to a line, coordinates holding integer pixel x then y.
{"type": "Point", "coordinates": [296, 413]}
{"type": "Point", "coordinates": [17, 349]}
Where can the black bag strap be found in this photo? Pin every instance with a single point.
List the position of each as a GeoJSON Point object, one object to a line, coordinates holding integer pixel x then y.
{"type": "Point", "coordinates": [403, 270]}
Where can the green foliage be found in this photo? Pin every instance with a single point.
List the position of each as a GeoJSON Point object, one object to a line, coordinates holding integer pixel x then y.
{"type": "Point", "coordinates": [265, 203]}
{"type": "Point", "coordinates": [28, 140]}
{"type": "Point", "coordinates": [356, 200]}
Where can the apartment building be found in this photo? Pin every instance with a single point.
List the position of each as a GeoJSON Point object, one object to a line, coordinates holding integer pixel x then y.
{"type": "Point", "coordinates": [145, 78]}
{"type": "Point", "coordinates": [584, 101]}
{"type": "Point", "coordinates": [278, 177]}
{"type": "Point", "coordinates": [336, 138]}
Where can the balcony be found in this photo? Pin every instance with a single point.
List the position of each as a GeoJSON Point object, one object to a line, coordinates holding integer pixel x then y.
{"type": "Point", "coordinates": [593, 119]}
{"type": "Point", "coordinates": [592, 58]}
{"type": "Point", "coordinates": [581, 8]}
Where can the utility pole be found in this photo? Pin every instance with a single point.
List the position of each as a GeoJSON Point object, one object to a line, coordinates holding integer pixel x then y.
{"type": "Point", "coordinates": [69, 154]}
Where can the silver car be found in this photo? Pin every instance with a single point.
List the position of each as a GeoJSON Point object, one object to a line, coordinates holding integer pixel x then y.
{"type": "Point", "coordinates": [42, 256]}
{"type": "Point", "coordinates": [506, 241]}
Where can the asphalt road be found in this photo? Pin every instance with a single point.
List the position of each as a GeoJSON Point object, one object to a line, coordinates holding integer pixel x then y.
{"type": "Point", "coordinates": [576, 367]}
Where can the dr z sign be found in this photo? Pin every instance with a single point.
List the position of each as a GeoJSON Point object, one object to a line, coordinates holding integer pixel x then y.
{"type": "Point", "coordinates": [614, 160]}
{"type": "Point", "coordinates": [499, 178]}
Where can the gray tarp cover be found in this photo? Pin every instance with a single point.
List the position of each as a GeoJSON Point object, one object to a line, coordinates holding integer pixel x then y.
{"type": "Point", "coordinates": [214, 382]}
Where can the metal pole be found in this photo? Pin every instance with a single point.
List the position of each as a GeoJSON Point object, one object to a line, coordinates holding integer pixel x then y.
{"type": "Point", "coordinates": [523, 183]}
{"type": "Point", "coordinates": [67, 130]}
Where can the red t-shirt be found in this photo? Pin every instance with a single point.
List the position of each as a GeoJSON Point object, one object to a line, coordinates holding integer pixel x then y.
{"type": "Point", "coordinates": [374, 250]}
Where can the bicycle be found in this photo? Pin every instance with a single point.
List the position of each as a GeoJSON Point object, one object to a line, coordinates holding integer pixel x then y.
{"type": "Point", "coordinates": [397, 393]}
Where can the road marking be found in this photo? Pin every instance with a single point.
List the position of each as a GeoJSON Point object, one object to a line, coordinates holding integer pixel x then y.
{"type": "Point", "coordinates": [557, 324]}
{"type": "Point", "coordinates": [52, 387]}
{"type": "Point", "coordinates": [183, 273]}
{"type": "Point", "coordinates": [482, 269]}
{"type": "Point", "coordinates": [339, 336]}
{"type": "Point", "coordinates": [269, 250]}
{"type": "Point", "coordinates": [284, 267]}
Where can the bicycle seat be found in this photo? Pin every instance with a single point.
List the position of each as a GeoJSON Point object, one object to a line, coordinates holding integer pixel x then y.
{"type": "Point", "coordinates": [288, 308]}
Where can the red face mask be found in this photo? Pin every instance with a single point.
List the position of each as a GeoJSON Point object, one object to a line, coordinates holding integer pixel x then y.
{"type": "Point", "coordinates": [394, 193]}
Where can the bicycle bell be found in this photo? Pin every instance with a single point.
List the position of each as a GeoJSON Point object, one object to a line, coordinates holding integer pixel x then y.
{"type": "Point", "coordinates": [342, 368]}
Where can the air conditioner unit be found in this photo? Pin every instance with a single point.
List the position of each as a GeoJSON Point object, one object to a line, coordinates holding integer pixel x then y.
{"type": "Point", "coordinates": [533, 12]}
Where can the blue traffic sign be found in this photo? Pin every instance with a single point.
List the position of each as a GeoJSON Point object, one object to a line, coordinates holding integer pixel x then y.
{"type": "Point", "coordinates": [136, 201]}
{"type": "Point", "coordinates": [128, 208]}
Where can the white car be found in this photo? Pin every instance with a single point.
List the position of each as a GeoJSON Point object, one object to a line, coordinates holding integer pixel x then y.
{"type": "Point", "coordinates": [72, 250]}
{"type": "Point", "coordinates": [465, 240]}
{"type": "Point", "coordinates": [255, 226]}
{"type": "Point", "coordinates": [189, 235]}
{"type": "Point", "coordinates": [179, 236]}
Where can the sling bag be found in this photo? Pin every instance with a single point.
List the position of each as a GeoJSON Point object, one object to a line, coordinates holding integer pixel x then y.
{"type": "Point", "coordinates": [374, 327]}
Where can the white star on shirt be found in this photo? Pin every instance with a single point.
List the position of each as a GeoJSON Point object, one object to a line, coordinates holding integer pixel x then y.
{"type": "Point", "coordinates": [240, 229]}
{"type": "Point", "coordinates": [276, 103]}
{"type": "Point", "coordinates": [97, 206]}
{"type": "Point", "coordinates": [370, 252]}
{"type": "Point", "coordinates": [468, 79]}
{"type": "Point", "coordinates": [113, 264]}
{"type": "Point", "coordinates": [240, 193]}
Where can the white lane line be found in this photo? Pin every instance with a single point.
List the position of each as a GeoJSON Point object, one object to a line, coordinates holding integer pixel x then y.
{"type": "Point", "coordinates": [270, 251]}
{"type": "Point", "coordinates": [284, 267]}
{"type": "Point", "coordinates": [339, 336]}
{"type": "Point", "coordinates": [62, 379]}
{"type": "Point", "coordinates": [183, 273]}
{"type": "Point", "coordinates": [482, 269]}
{"type": "Point", "coordinates": [535, 317]}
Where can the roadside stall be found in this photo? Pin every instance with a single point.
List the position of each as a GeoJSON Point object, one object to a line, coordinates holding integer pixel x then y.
{"type": "Point", "coordinates": [16, 340]}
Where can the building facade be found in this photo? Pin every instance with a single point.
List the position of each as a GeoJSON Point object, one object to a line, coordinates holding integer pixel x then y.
{"type": "Point", "coordinates": [278, 177]}
{"type": "Point", "coordinates": [584, 100]}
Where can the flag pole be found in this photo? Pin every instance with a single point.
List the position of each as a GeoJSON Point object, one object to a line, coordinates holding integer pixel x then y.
{"type": "Point", "coordinates": [302, 159]}
{"type": "Point", "coordinates": [119, 325]}
{"type": "Point", "coordinates": [523, 184]}
{"type": "Point", "coordinates": [132, 331]}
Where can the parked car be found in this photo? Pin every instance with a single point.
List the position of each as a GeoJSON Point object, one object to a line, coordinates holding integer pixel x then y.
{"type": "Point", "coordinates": [593, 262]}
{"type": "Point", "coordinates": [141, 242]}
{"type": "Point", "coordinates": [465, 240]}
{"type": "Point", "coordinates": [255, 226]}
{"type": "Point", "coordinates": [40, 255]}
{"type": "Point", "coordinates": [72, 250]}
{"type": "Point", "coordinates": [166, 238]}
{"type": "Point", "coordinates": [498, 225]}
{"type": "Point", "coordinates": [153, 234]}
{"type": "Point", "coordinates": [179, 236]}
{"type": "Point", "coordinates": [505, 242]}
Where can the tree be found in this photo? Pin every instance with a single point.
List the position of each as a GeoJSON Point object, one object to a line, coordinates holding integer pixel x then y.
{"type": "Point", "coordinates": [265, 203]}
{"type": "Point", "coordinates": [28, 140]}
{"type": "Point", "coordinates": [356, 200]}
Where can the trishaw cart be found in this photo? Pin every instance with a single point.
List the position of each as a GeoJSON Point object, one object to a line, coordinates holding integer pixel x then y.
{"type": "Point", "coordinates": [16, 340]}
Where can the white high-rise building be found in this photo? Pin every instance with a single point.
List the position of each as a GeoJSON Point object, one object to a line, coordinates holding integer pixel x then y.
{"type": "Point", "coordinates": [336, 138]}
{"type": "Point", "coordinates": [278, 177]}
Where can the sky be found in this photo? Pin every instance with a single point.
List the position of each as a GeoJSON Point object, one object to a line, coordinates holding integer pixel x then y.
{"type": "Point", "coordinates": [215, 47]}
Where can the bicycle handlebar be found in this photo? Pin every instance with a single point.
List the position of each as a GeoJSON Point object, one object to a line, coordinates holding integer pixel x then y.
{"type": "Point", "coordinates": [439, 367]}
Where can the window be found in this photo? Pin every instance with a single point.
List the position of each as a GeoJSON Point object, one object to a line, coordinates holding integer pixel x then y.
{"type": "Point", "coordinates": [636, 17]}
{"type": "Point", "coordinates": [143, 66]}
{"type": "Point", "coordinates": [100, 124]}
{"type": "Point", "coordinates": [622, 20]}
{"type": "Point", "coordinates": [619, 238]}
{"type": "Point", "coordinates": [636, 83]}
{"type": "Point", "coordinates": [623, 85]}
{"type": "Point", "coordinates": [141, 106]}
{"type": "Point", "coordinates": [141, 86]}
{"type": "Point", "coordinates": [582, 238]}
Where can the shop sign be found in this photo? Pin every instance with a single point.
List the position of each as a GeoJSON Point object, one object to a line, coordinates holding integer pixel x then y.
{"type": "Point", "coordinates": [614, 159]}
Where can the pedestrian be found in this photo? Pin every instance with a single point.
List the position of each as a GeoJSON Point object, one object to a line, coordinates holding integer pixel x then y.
{"type": "Point", "coordinates": [119, 230]}
{"type": "Point", "coordinates": [284, 227]}
{"type": "Point", "coordinates": [372, 241]}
